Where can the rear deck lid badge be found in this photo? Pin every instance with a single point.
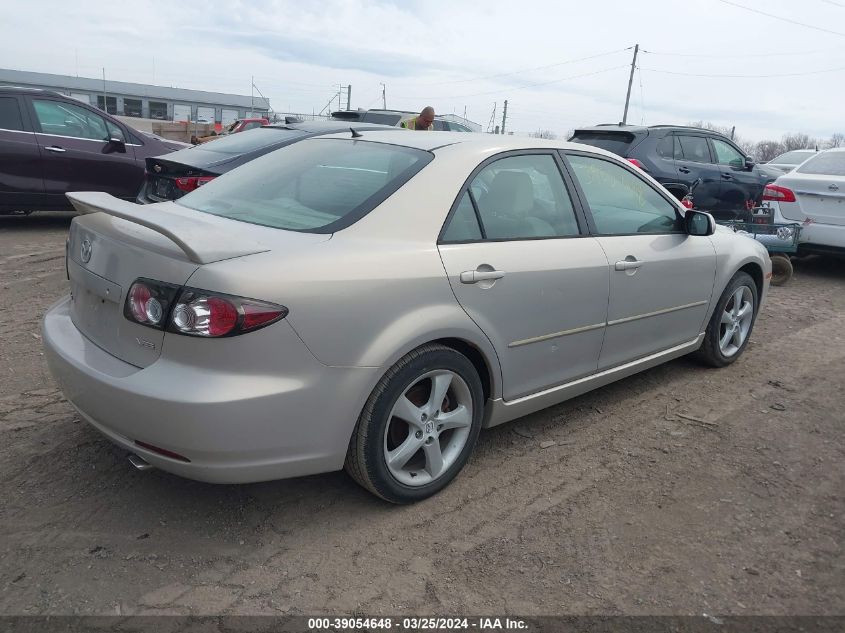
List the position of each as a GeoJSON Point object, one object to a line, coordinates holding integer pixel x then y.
{"type": "Point", "coordinates": [85, 251]}
{"type": "Point", "coordinates": [145, 343]}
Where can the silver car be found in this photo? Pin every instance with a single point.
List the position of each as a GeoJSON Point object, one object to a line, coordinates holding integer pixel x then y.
{"type": "Point", "coordinates": [373, 301]}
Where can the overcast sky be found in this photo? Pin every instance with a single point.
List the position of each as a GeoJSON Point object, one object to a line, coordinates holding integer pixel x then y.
{"type": "Point", "coordinates": [559, 64]}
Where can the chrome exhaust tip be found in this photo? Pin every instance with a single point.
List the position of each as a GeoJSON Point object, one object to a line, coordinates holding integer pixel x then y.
{"type": "Point", "coordinates": [139, 462]}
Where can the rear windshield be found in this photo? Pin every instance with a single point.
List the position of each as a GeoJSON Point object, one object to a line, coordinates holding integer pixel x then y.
{"type": "Point", "coordinates": [827, 164]}
{"type": "Point", "coordinates": [792, 158]}
{"type": "Point", "coordinates": [384, 119]}
{"type": "Point", "coordinates": [616, 142]}
{"type": "Point", "coordinates": [250, 140]}
{"type": "Point", "coordinates": [316, 185]}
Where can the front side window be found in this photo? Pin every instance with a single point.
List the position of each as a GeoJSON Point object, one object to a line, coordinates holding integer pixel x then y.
{"type": "Point", "coordinates": [727, 155]}
{"type": "Point", "coordinates": [826, 164]}
{"type": "Point", "coordinates": [316, 185]}
{"type": "Point", "coordinates": [10, 114]}
{"type": "Point", "coordinates": [65, 119]}
{"type": "Point", "coordinates": [622, 203]}
{"type": "Point", "coordinates": [521, 197]}
{"type": "Point", "coordinates": [693, 148]}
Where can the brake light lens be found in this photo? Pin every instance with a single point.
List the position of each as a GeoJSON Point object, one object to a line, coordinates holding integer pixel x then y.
{"type": "Point", "coordinates": [190, 183]}
{"type": "Point", "coordinates": [636, 163]}
{"type": "Point", "coordinates": [778, 194]}
{"type": "Point", "coordinates": [148, 302]}
{"type": "Point", "coordinates": [197, 312]}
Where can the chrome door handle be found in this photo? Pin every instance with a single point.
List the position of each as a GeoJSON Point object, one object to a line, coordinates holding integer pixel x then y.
{"type": "Point", "coordinates": [53, 148]}
{"type": "Point", "coordinates": [626, 264]}
{"type": "Point", "coordinates": [474, 276]}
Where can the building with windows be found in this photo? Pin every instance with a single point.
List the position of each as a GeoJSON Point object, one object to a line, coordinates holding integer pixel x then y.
{"type": "Point", "coordinates": [144, 100]}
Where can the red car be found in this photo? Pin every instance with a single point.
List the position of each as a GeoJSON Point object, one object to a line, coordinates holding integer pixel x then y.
{"type": "Point", "coordinates": [241, 125]}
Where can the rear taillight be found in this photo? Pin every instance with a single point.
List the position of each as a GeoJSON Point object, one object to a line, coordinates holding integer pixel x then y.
{"type": "Point", "coordinates": [148, 302]}
{"type": "Point", "coordinates": [778, 194]}
{"type": "Point", "coordinates": [189, 183]}
{"type": "Point", "coordinates": [197, 312]}
{"type": "Point", "coordinates": [636, 163]}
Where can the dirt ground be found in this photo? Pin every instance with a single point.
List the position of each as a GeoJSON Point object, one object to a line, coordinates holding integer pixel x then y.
{"type": "Point", "coordinates": [635, 510]}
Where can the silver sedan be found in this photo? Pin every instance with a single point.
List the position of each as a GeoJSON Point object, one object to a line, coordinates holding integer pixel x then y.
{"type": "Point", "coordinates": [372, 302]}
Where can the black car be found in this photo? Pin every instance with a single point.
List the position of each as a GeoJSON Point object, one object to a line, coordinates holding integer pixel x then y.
{"type": "Point", "coordinates": [172, 176]}
{"type": "Point", "coordinates": [676, 156]}
{"type": "Point", "coordinates": [51, 144]}
{"type": "Point", "coordinates": [394, 117]}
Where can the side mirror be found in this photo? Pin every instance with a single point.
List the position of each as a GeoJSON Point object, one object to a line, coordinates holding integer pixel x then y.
{"type": "Point", "coordinates": [699, 223]}
{"type": "Point", "coordinates": [749, 163]}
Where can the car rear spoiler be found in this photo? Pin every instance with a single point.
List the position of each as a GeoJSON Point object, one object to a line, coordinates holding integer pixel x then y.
{"type": "Point", "coordinates": [202, 242]}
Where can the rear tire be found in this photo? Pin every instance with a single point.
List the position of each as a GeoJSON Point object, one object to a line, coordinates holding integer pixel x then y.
{"type": "Point", "coordinates": [781, 269]}
{"type": "Point", "coordinates": [418, 427]}
{"type": "Point", "coordinates": [729, 329]}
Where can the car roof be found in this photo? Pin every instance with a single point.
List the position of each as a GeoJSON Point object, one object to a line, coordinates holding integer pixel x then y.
{"type": "Point", "coordinates": [429, 141]}
{"type": "Point", "coordinates": [325, 127]}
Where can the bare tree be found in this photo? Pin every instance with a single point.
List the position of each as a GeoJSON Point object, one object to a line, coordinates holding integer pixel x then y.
{"type": "Point", "coordinates": [798, 140]}
{"type": "Point", "coordinates": [547, 134]}
{"type": "Point", "coordinates": [747, 146]}
{"type": "Point", "coordinates": [765, 151]}
{"type": "Point", "coordinates": [837, 140]}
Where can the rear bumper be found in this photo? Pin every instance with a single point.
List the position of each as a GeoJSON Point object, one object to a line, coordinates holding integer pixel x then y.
{"type": "Point", "coordinates": [234, 425]}
{"type": "Point", "coordinates": [815, 237]}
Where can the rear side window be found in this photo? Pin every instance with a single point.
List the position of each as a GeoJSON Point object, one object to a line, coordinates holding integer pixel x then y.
{"type": "Point", "coordinates": [464, 224]}
{"type": "Point", "coordinates": [693, 148]}
{"type": "Point", "coordinates": [666, 147]}
{"type": "Point", "coordinates": [620, 202]}
{"type": "Point", "coordinates": [250, 140]}
{"type": "Point", "coordinates": [10, 114]}
{"type": "Point", "coordinates": [616, 142]}
{"type": "Point", "coordinates": [317, 185]}
{"type": "Point", "coordinates": [825, 164]}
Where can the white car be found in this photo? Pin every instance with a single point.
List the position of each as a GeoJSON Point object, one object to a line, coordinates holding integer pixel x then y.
{"type": "Point", "coordinates": [814, 196]}
{"type": "Point", "coordinates": [790, 160]}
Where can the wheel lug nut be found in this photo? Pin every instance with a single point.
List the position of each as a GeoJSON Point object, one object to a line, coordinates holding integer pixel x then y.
{"type": "Point", "coordinates": [418, 435]}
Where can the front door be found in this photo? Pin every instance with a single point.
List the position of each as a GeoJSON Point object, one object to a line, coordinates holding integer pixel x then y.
{"type": "Point", "coordinates": [522, 267]}
{"type": "Point", "coordinates": [77, 154]}
{"type": "Point", "coordinates": [661, 279]}
{"type": "Point", "coordinates": [693, 161]}
{"type": "Point", "coordinates": [739, 184]}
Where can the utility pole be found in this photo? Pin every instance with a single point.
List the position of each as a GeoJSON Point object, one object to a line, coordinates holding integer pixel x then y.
{"type": "Point", "coordinates": [630, 81]}
{"type": "Point", "coordinates": [733, 130]}
{"type": "Point", "coordinates": [252, 95]}
{"type": "Point", "coordinates": [349, 97]}
{"type": "Point", "coordinates": [383, 97]}
{"type": "Point", "coordinates": [504, 116]}
{"type": "Point", "coordinates": [105, 107]}
{"type": "Point", "coordinates": [492, 120]}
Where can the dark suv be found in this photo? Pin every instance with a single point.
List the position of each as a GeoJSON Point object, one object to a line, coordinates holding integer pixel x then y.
{"type": "Point", "coordinates": [676, 156]}
{"type": "Point", "coordinates": [51, 144]}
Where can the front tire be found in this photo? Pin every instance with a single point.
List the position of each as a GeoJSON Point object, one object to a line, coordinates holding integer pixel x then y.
{"type": "Point", "coordinates": [418, 427]}
{"type": "Point", "coordinates": [730, 326]}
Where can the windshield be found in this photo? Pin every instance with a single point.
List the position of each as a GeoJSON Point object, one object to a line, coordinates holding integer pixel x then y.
{"type": "Point", "coordinates": [317, 185]}
{"type": "Point", "coordinates": [792, 158]}
{"type": "Point", "coordinates": [250, 140]}
{"type": "Point", "coordinates": [826, 164]}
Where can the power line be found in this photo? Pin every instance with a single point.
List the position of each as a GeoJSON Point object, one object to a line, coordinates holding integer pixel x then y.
{"type": "Point", "coordinates": [525, 70]}
{"type": "Point", "coordinates": [532, 85]}
{"type": "Point", "coordinates": [782, 19]}
{"type": "Point", "coordinates": [836, 4]}
{"type": "Point", "coordinates": [811, 72]}
{"type": "Point", "coordinates": [733, 55]}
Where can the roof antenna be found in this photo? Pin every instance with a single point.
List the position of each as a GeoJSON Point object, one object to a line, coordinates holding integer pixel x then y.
{"type": "Point", "coordinates": [354, 133]}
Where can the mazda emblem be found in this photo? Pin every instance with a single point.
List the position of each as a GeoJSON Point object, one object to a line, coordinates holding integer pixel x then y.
{"type": "Point", "coordinates": [85, 251]}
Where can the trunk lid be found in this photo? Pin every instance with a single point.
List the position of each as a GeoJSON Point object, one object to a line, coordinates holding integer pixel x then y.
{"type": "Point", "coordinates": [114, 242]}
{"type": "Point", "coordinates": [818, 197]}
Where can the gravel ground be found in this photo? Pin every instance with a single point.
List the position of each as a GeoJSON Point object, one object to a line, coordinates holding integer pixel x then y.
{"type": "Point", "coordinates": [681, 490]}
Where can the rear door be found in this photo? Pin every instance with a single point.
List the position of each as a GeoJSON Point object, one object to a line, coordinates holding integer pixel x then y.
{"type": "Point", "coordinates": [21, 184]}
{"type": "Point", "coordinates": [739, 184]}
{"type": "Point", "coordinates": [693, 161]}
{"type": "Point", "coordinates": [661, 279]}
{"type": "Point", "coordinates": [524, 269]}
{"type": "Point", "coordinates": [77, 154]}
